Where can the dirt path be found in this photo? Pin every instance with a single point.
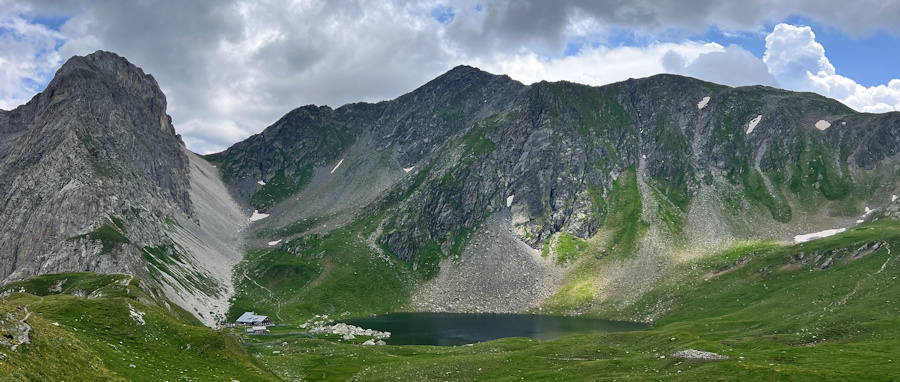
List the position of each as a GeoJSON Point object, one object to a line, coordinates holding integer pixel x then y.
{"type": "Point", "coordinates": [856, 288]}
{"type": "Point", "coordinates": [274, 297]}
{"type": "Point", "coordinates": [888, 247]}
{"type": "Point", "coordinates": [24, 338]}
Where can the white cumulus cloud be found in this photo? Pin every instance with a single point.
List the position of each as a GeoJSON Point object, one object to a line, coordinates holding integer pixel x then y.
{"type": "Point", "coordinates": [602, 65]}
{"type": "Point", "coordinates": [798, 62]}
{"type": "Point", "coordinates": [28, 57]}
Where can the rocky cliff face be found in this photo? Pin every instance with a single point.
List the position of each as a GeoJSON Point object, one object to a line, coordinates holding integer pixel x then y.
{"type": "Point", "coordinates": [94, 177]}
{"type": "Point", "coordinates": [269, 167]}
{"type": "Point", "coordinates": [551, 152]}
{"type": "Point", "coordinates": [94, 153]}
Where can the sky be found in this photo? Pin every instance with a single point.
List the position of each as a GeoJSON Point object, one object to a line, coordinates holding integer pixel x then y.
{"type": "Point", "coordinates": [231, 68]}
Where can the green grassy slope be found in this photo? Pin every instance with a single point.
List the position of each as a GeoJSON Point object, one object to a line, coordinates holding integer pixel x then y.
{"type": "Point", "coordinates": [321, 274]}
{"type": "Point", "coordinates": [776, 314]}
{"type": "Point", "coordinates": [117, 337]}
{"type": "Point", "coordinates": [60, 354]}
{"type": "Point", "coordinates": [828, 314]}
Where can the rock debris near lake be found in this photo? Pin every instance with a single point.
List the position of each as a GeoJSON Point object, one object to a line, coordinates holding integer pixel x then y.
{"type": "Point", "coordinates": [496, 273]}
{"type": "Point", "coordinates": [320, 324]}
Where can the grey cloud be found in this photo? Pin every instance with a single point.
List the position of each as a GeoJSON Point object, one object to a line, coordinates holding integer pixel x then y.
{"type": "Point", "coordinates": [508, 23]}
{"type": "Point", "coordinates": [244, 64]}
{"type": "Point", "coordinates": [734, 67]}
{"type": "Point", "coordinates": [330, 52]}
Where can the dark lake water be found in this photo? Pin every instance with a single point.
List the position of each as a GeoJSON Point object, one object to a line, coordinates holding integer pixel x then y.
{"type": "Point", "coordinates": [451, 329]}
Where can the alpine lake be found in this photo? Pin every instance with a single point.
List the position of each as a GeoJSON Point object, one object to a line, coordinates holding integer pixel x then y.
{"type": "Point", "coordinates": [455, 329]}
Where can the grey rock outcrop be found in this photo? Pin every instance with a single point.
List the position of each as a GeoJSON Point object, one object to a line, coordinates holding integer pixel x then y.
{"type": "Point", "coordinates": [96, 179]}
{"type": "Point", "coordinates": [95, 149]}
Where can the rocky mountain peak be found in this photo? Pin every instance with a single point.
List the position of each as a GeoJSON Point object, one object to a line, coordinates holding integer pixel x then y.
{"type": "Point", "coordinates": [120, 76]}
{"type": "Point", "coordinates": [92, 169]}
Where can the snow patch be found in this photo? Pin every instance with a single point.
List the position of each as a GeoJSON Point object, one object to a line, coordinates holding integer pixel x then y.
{"type": "Point", "coordinates": [337, 165]}
{"type": "Point", "coordinates": [274, 242]}
{"type": "Point", "coordinates": [753, 123]}
{"type": "Point", "coordinates": [261, 183]}
{"type": "Point", "coordinates": [702, 103]}
{"type": "Point", "coordinates": [868, 211]}
{"type": "Point", "coordinates": [860, 221]}
{"type": "Point", "coordinates": [817, 235]}
{"type": "Point", "coordinates": [136, 315]}
{"type": "Point", "coordinates": [509, 200]}
{"type": "Point", "coordinates": [258, 216]}
{"type": "Point", "coordinates": [893, 197]}
{"type": "Point", "coordinates": [823, 124]}
{"type": "Point", "coordinates": [408, 169]}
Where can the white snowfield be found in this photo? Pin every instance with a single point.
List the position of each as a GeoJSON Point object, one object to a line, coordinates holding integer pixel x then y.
{"type": "Point", "coordinates": [258, 216]}
{"type": "Point", "coordinates": [261, 183]}
{"type": "Point", "coordinates": [408, 169]}
{"type": "Point", "coordinates": [817, 235]}
{"type": "Point", "coordinates": [823, 124]}
{"type": "Point", "coordinates": [271, 243]}
{"type": "Point", "coordinates": [337, 165]}
{"type": "Point", "coordinates": [702, 103]}
{"type": "Point", "coordinates": [753, 123]}
{"type": "Point", "coordinates": [867, 212]}
{"type": "Point", "coordinates": [509, 200]}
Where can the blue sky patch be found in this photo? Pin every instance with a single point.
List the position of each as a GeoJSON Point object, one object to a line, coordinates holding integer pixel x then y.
{"type": "Point", "coordinates": [870, 61]}
{"type": "Point", "coordinates": [753, 43]}
{"type": "Point", "coordinates": [53, 23]}
{"type": "Point", "coordinates": [443, 14]}
{"type": "Point", "coordinates": [572, 49]}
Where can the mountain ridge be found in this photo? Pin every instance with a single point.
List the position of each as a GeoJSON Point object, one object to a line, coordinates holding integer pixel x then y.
{"type": "Point", "coordinates": [551, 153]}
{"type": "Point", "coordinates": [644, 170]}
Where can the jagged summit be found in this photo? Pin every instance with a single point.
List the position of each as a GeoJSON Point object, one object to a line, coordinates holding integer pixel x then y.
{"type": "Point", "coordinates": [466, 73]}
